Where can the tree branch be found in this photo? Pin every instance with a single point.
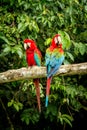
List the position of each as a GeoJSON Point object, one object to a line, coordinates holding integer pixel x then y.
{"type": "Point", "coordinates": [40, 72]}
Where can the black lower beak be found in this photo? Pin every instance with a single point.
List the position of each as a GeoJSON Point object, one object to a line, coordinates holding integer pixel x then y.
{"type": "Point", "coordinates": [57, 43]}
{"type": "Point", "coordinates": [28, 47]}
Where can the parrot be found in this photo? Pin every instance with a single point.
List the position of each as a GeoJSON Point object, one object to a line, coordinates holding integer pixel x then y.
{"type": "Point", "coordinates": [33, 57]}
{"type": "Point", "coordinates": [54, 58]}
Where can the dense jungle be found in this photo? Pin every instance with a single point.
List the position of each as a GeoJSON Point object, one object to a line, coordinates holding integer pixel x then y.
{"type": "Point", "coordinates": [40, 20]}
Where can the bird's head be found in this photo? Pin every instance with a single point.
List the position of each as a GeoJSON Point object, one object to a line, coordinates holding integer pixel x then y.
{"type": "Point", "coordinates": [29, 44]}
{"type": "Point", "coordinates": [56, 41]}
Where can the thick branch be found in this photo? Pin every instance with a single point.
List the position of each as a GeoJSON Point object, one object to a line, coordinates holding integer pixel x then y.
{"type": "Point", "coordinates": [40, 72]}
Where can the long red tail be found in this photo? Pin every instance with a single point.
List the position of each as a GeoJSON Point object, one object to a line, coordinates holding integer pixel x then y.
{"type": "Point", "coordinates": [36, 83]}
{"type": "Point", "coordinates": [47, 90]}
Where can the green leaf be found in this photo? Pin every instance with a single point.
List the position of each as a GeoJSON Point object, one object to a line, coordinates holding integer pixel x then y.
{"type": "Point", "coordinates": [67, 116]}
{"type": "Point", "coordinates": [20, 53]}
{"type": "Point", "coordinates": [20, 105]}
{"type": "Point", "coordinates": [27, 121]}
{"type": "Point", "coordinates": [18, 49]}
{"type": "Point", "coordinates": [10, 103]}
{"type": "Point", "coordinates": [67, 121]}
{"type": "Point", "coordinates": [81, 48]}
{"type": "Point", "coordinates": [70, 56]}
{"type": "Point", "coordinates": [7, 49]}
{"type": "Point", "coordinates": [16, 106]}
{"type": "Point", "coordinates": [22, 26]}
{"type": "Point", "coordinates": [30, 115]}
{"type": "Point", "coordinates": [48, 41]}
{"type": "Point", "coordinates": [65, 39]}
{"type": "Point", "coordinates": [5, 39]}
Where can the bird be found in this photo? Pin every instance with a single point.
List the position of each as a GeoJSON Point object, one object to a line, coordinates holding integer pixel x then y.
{"type": "Point", "coordinates": [54, 58]}
{"type": "Point", "coordinates": [33, 58]}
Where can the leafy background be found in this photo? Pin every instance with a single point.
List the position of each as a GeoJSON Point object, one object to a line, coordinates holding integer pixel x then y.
{"type": "Point", "coordinates": [41, 20]}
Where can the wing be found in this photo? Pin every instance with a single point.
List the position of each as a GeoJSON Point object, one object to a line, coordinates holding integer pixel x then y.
{"type": "Point", "coordinates": [58, 62]}
{"type": "Point", "coordinates": [47, 56]}
{"type": "Point", "coordinates": [53, 62]}
{"type": "Point", "coordinates": [47, 59]}
{"type": "Point", "coordinates": [37, 57]}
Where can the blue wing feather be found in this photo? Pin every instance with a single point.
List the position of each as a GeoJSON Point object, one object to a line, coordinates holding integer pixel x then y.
{"type": "Point", "coordinates": [37, 59]}
{"type": "Point", "coordinates": [55, 66]}
{"type": "Point", "coordinates": [53, 63]}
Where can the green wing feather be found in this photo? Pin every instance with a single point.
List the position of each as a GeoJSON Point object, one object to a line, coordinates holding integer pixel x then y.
{"type": "Point", "coordinates": [37, 57]}
{"type": "Point", "coordinates": [53, 58]}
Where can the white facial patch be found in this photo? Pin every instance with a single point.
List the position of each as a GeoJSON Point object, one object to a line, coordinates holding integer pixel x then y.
{"type": "Point", "coordinates": [29, 44]}
{"type": "Point", "coordinates": [25, 46]}
{"type": "Point", "coordinates": [59, 39]}
{"type": "Point", "coordinates": [55, 39]}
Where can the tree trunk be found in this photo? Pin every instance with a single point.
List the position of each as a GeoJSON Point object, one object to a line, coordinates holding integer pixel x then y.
{"type": "Point", "coordinates": [40, 72]}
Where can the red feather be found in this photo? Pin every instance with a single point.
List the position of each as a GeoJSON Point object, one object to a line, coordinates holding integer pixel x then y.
{"type": "Point", "coordinates": [48, 90]}
{"type": "Point", "coordinates": [36, 83]}
{"type": "Point", "coordinates": [51, 65]}
{"type": "Point", "coordinates": [31, 62]}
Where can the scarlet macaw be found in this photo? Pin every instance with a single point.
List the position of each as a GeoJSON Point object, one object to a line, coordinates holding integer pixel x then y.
{"type": "Point", "coordinates": [33, 57]}
{"type": "Point", "coordinates": [54, 57]}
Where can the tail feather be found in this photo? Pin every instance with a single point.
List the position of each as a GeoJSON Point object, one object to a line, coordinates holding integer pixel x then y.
{"type": "Point", "coordinates": [47, 90]}
{"type": "Point", "coordinates": [36, 83]}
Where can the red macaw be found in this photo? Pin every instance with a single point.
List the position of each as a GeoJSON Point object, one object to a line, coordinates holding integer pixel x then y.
{"type": "Point", "coordinates": [53, 58]}
{"type": "Point", "coordinates": [33, 57]}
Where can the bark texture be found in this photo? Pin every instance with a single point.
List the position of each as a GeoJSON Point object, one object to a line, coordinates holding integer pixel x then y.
{"type": "Point", "coordinates": [40, 72]}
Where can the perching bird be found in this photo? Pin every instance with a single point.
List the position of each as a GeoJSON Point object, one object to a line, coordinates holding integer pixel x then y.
{"type": "Point", "coordinates": [33, 57]}
{"type": "Point", "coordinates": [54, 57]}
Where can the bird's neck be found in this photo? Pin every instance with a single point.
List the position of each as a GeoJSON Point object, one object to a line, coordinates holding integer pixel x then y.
{"type": "Point", "coordinates": [56, 47]}
{"type": "Point", "coordinates": [28, 51]}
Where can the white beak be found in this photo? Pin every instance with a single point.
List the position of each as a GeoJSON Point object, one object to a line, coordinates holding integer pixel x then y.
{"type": "Point", "coordinates": [27, 45]}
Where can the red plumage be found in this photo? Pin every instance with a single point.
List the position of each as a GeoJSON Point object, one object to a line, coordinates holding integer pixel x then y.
{"type": "Point", "coordinates": [33, 57]}
{"type": "Point", "coordinates": [54, 58]}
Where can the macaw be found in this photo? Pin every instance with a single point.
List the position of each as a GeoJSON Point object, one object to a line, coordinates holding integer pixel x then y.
{"type": "Point", "coordinates": [54, 57]}
{"type": "Point", "coordinates": [33, 57]}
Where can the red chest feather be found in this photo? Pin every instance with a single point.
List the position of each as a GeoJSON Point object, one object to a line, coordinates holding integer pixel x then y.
{"type": "Point", "coordinates": [30, 58]}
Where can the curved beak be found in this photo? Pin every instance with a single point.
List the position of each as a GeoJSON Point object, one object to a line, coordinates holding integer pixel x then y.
{"type": "Point", "coordinates": [27, 45]}
{"type": "Point", "coordinates": [58, 40]}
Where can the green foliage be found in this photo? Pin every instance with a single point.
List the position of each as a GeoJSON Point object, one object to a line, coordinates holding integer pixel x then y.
{"type": "Point", "coordinates": [17, 105]}
{"type": "Point", "coordinates": [48, 41]}
{"type": "Point", "coordinates": [51, 112]}
{"type": "Point", "coordinates": [65, 98]}
{"type": "Point", "coordinates": [41, 20]}
{"type": "Point", "coordinates": [79, 48]}
{"type": "Point", "coordinates": [65, 40]}
{"type": "Point", "coordinates": [64, 118]}
{"type": "Point", "coordinates": [30, 116]}
{"type": "Point", "coordinates": [70, 92]}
